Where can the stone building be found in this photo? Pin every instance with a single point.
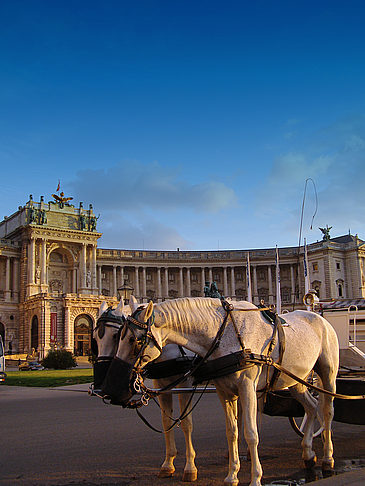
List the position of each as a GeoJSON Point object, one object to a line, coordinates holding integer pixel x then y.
{"type": "Point", "coordinates": [54, 277]}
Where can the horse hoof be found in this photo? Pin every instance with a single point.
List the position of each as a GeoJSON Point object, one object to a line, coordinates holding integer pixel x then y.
{"type": "Point", "coordinates": [310, 463]}
{"type": "Point", "coordinates": [231, 482]}
{"type": "Point", "coordinates": [190, 476]}
{"type": "Point", "coordinates": [328, 466]}
{"type": "Point", "coordinates": [166, 473]}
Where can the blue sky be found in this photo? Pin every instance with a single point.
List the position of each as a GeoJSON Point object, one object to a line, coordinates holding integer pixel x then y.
{"type": "Point", "coordinates": [190, 124]}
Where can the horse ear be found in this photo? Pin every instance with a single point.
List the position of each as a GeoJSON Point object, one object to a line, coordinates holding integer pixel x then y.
{"type": "Point", "coordinates": [103, 308]}
{"type": "Point", "coordinates": [146, 312]}
{"type": "Point", "coordinates": [119, 310]}
{"type": "Point", "coordinates": [133, 303]}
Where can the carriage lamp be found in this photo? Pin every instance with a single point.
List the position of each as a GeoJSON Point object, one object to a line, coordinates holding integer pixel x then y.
{"type": "Point", "coordinates": [311, 299]}
{"type": "Point", "coordinates": [125, 292]}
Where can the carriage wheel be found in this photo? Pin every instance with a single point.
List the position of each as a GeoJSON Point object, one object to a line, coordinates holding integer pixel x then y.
{"type": "Point", "coordinates": [298, 423]}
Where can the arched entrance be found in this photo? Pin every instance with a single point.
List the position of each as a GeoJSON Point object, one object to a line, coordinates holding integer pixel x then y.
{"type": "Point", "coordinates": [34, 334]}
{"type": "Point", "coordinates": [82, 333]}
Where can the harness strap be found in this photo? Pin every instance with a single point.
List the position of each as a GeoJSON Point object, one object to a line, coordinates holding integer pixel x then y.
{"type": "Point", "coordinates": [278, 329]}
{"type": "Point", "coordinates": [317, 388]}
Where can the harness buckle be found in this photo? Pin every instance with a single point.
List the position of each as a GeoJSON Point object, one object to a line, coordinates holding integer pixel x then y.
{"type": "Point", "coordinates": [137, 384]}
{"type": "Point", "coordinates": [145, 399]}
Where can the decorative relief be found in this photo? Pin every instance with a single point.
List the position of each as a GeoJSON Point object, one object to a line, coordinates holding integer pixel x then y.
{"type": "Point", "coordinates": [56, 285]}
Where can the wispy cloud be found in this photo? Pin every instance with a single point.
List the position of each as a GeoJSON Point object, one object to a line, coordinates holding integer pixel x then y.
{"type": "Point", "coordinates": [334, 158]}
{"type": "Point", "coordinates": [133, 186]}
{"type": "Point", "coordinates": [122, 231]}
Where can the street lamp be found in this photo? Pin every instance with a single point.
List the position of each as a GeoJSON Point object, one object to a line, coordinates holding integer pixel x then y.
{"type": "Point", "coordinates": [125, 292]}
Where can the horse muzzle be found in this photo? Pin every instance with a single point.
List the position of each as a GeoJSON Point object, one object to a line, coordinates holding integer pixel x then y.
{"type": "Point", "coordinates": [117, 382]}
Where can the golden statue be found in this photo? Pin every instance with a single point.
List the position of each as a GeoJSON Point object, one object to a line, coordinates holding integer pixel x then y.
{"type": "Point", "coordinates": [61, 199]}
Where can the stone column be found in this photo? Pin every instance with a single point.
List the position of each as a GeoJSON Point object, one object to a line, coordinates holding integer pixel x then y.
{"type": "Point", "coordinates": [114, 280]}
{"type": "Point", "coordinates": [188, 282]}
{"type": "Point", "coordinates": [69, 345]}
{"type": "Point", "coordinates": [43, 262]}
{"type": "Point", "coordinates": [83, 267]}
{"type": "Point", "coordinates": [136, 283]}
{"type": "Point", "coordinates": [100, 285]}
{"type": "Point", "coordinates": [93, 270]}
{"type": "Point", "coordinates": [210, 272]}
{"type": "Point", "coordinates": [159, 292]}
{"type": "Point", "coordinates": [233, 284]}
{"type": "Point", "coordinates": [225, 282]}
{"type": "Point", "coordinates": [16, 279]}
{"type": "Point", "coordinates": [144, 286]}
{"type": "Point", "coordinates": [74, 280]}
{"type": "Point", "coordinates": [31, 257]}
{"type": "Point", "coordinates": [254, 284]}
{"type": "Point", "coordinates": [166, 283]}
{"type": "Point", "coordinates": [269, 277]}
{"type": "Point", "coordinates": [292, 278]}
{"type": "Point", "coordinates": [7, 281]}
{"type": "Point", "coordinates": [181, 283]}
{"type": "Point", "coordinates": [203, 280]}
{"type": "Point", "coordinates": [122, 275]}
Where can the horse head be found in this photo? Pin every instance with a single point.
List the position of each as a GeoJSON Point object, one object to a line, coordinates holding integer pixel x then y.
{"type": "Point", "coordinates": [139, 344]}
{"type": "Point", "coordinates": [104, 343]}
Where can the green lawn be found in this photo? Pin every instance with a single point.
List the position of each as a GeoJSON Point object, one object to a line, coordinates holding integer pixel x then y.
{"type": "Point", "coordinates": [49, 378]}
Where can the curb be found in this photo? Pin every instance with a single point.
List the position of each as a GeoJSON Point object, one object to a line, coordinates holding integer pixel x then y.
{"type": "Point", "coordinates": [355, 477]}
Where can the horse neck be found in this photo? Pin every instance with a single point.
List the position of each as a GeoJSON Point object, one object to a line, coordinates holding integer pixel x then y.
{"type": "Point", "coordinates": [189, 323]}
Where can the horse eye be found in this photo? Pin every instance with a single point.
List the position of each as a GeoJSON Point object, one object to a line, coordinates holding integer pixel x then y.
{"type": "Point", "coordinates": [131, 340]}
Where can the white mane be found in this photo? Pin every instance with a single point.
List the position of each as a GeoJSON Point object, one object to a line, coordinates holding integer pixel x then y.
{"type": "Point", "coordinates": [200, 312]}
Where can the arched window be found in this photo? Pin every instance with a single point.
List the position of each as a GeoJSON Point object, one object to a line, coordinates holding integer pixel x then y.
{"type": "Point", "coordinates": [34, 334]}
{"type": "Point", "coordinates": [339, 284]}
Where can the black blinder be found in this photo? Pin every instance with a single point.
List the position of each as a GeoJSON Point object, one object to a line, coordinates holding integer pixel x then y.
{"type": "Point", "coordinates": [101, 330]}
{"type": "Point", "coordinates": [116, 385]}
{"type": "Point", "coordinates": [101, 367]}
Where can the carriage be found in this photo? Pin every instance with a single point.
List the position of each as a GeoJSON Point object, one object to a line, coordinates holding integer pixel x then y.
{"type": "Point", "coordinates": [347, 317]}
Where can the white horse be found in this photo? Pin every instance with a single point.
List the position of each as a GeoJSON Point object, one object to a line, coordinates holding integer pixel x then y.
{"type": "Point", "coordinates": [310, 343]}
{"type": "Point", "coordinates": [106, 334]}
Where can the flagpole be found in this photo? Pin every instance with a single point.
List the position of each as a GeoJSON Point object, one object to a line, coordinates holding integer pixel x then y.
{"type": "Point", "coordinates": [278, 294]}
{"type": "Point", "coordinates": [248, 278]}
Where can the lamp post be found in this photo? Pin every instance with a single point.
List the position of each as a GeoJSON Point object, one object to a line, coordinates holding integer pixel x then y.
{"type": "Point", "coordinates": [125, 292]}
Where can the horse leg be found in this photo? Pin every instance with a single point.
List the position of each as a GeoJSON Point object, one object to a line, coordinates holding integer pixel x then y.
{"type": "Point", "coordinates": [190, 470]}
{"type": "Point", "coordinates": [230, 410]}
{"type": "Point", "coordinates": [249, 408]}
{"type": "Point", "coordinates": [300, 393]}
{"type": "Point", "coordinates": [328, 378]}
{"type": "Point", "coordinates": [167, 469]}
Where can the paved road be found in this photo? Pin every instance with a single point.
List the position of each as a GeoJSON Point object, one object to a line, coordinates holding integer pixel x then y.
{"type": "Point", "coordinates": [63, 437]}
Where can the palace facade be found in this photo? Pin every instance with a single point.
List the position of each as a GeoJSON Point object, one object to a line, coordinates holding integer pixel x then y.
{"type": "Point", "coordinates": [54, 277]}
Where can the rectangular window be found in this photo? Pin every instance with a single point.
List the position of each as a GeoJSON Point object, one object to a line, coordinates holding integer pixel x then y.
{"type": "Point", "coordinates": [315, 266]}
{"type": "Point", "coordinates": [338, 266]}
